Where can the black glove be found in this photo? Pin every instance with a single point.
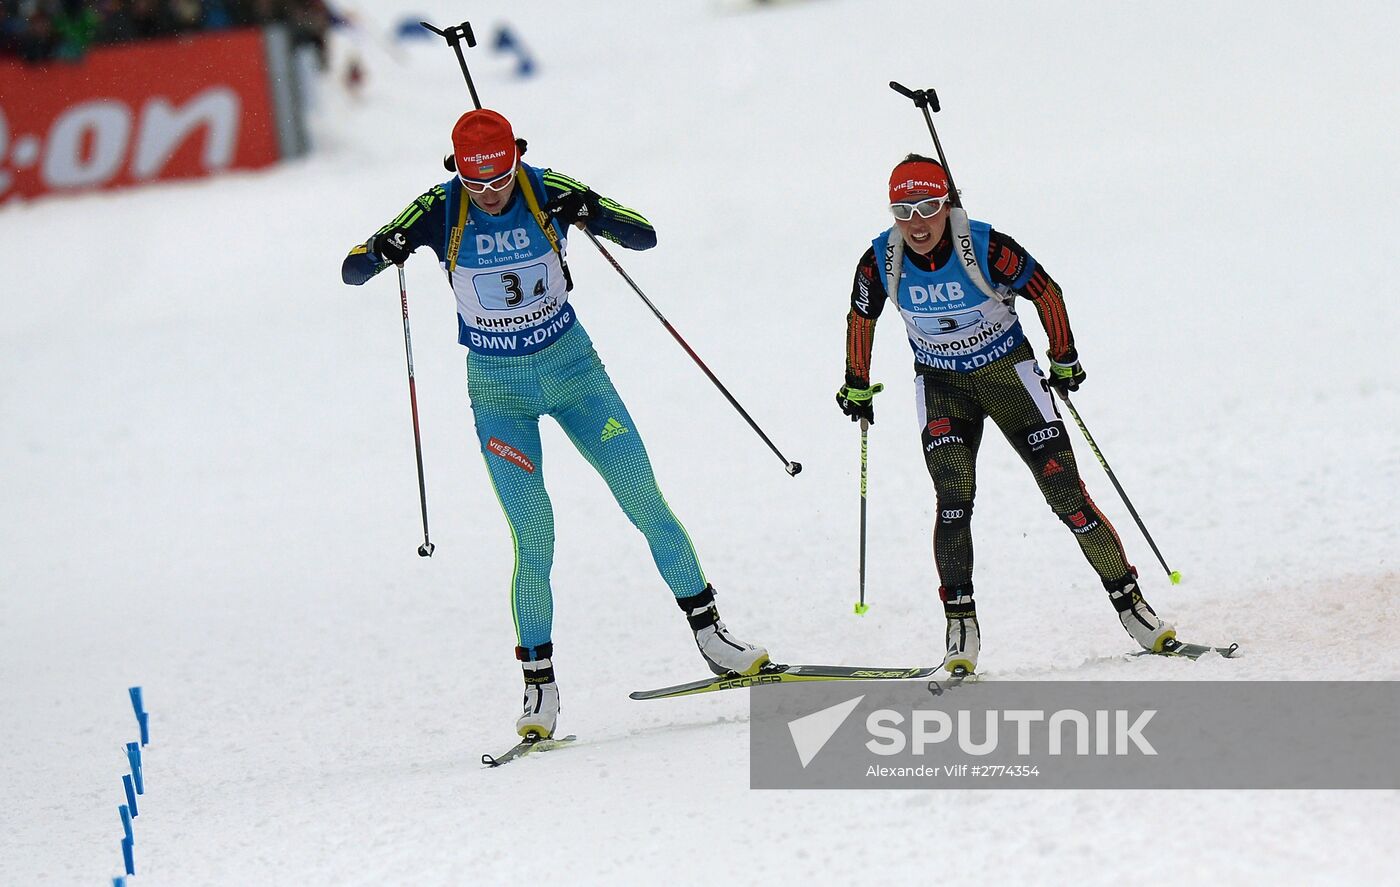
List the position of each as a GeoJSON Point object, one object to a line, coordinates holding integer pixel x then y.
{"type": "Point", "coordinates": [575, 206]}
{"type": "Point", "coordinates": [859, 403]}
{"type": "Point", "coordinates": [391, 245]}
{"type": "Point", "coordinates": [1066, 374]}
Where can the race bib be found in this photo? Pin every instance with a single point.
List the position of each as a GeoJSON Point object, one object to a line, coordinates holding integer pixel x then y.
{"type": "Point", "coordinates": [516, 288]}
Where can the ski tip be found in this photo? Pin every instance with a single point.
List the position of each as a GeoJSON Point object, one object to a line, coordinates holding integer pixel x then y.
{"type": "Point", "coordinates": [1175, 576]}
{"type": "Point", "coordinates": [862, 609]}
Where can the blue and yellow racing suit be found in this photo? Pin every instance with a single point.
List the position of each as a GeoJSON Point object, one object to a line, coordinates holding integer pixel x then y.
{"type": "Point", "coordinates": [528, 356]}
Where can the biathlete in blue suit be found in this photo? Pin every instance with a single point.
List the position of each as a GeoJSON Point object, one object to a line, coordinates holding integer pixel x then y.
{"type": "Point", "coordinates": [499, 229]}
{"type": "Point", "coordinates": [954, 284]}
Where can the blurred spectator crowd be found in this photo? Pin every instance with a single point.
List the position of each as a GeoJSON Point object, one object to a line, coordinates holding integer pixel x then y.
{"type": "Point", "coordinates": [45, 30]}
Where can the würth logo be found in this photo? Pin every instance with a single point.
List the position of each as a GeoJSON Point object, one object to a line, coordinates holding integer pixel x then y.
{"type": "Point", "coordinates": [510, 454]}
{"type": "Point", "coordinates": [940, 427]}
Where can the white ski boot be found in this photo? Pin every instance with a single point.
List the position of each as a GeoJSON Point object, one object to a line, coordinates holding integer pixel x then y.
{"type": "Point", "coordinates": [963, 637]}
{"type": "Point", "coordinates": [723, 653]}
{"type": "Point", "coordinates": [1141, 621]}
{"type": "Point", "coordinates": [541, 700]}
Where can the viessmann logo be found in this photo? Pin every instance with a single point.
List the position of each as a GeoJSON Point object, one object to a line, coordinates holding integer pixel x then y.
{"type": "Point", "coordinates": [482, 158]}
{"type": "Point", "coordinates": [510, 454]}
{"type": "Point", "coordinates": [911, 184]}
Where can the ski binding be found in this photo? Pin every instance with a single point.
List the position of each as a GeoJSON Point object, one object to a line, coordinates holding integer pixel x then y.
{"type": "Point", "coordinates": [1173, 647]}
{"type": "Point", "coordinates": [531, 743]}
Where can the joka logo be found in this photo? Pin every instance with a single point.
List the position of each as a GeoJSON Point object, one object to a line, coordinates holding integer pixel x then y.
{"type": "Point", "coordinates": [940, 427]}
{"type": "Point", "coordinates": [1051, 469]}
{"type": "Point", "coordinates": [510, 454]}
{"type": "Point", "coordinates": [1041, 436]}
{"type": "Point", "coordinates": [810, 733]}
{"type": "Point", "coordinates": [969, 257]}
{"type": "Point", "coordinates": [612, 428]}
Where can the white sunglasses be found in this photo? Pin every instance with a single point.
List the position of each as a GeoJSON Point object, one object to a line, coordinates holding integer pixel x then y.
{"type": "Point", "coordinates": [499, 183]}
{"type": "Point", "coordinates": [927, 208]}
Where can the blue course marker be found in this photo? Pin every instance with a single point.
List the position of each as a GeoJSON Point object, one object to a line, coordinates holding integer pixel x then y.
{"type": "Point", "coordinates": [119, 882]}
{"type": "Point", "coordinates": [130, 795]}
{"type": "Point", "coordinates": [127, 857]}
{"type": "Point", "coordinates": [126, 823]}
{"type": "Point", "coordinates": [508, 43]}
{"type": "Point", "coordinates": [140, 708]}
{"type": "Point", "coordinates": [133, 754]}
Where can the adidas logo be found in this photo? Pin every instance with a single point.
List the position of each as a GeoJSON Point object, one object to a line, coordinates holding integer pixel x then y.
{"type": "Point", "coordinates": [612, 428]}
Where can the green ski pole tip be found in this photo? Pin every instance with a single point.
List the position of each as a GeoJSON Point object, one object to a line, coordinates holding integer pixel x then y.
{"type": "Point", "coordinates": [1175, 577]}
{"type": "Point", "coordinates": [861, 609]}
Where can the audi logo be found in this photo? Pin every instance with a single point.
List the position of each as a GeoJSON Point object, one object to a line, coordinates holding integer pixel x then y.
{"type": "Point", "coordinates": [1042, 435]}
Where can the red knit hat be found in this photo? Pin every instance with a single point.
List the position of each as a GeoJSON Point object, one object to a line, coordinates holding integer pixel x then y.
{"type": "Point", "coordinates": [916, 180]}
{"type": "Point", "coordinates": [483, 145]}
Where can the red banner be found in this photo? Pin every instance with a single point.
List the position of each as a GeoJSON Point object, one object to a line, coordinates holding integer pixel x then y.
{"type": "Point", "coordinates": [140, 112]}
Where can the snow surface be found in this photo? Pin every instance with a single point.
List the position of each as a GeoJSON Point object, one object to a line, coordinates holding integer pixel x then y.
{"type": "Point", "coordinates": [207, 474]}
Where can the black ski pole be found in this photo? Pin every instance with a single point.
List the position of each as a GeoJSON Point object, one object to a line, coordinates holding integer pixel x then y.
{"type": "Point", "coordinates": [861, 605]}
{"type": "Point", "coordinates": [426, 549]}
{"type": "Point", "coordinates": [924, 99]}
{"type": "Point", "coordinates": [792, 467]}
{"type": "Point", "coordinates": [1173, 575]}
{"type": "Point", "coordinates": [454, 37]}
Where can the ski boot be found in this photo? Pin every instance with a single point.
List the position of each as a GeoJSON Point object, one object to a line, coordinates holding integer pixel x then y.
{"type": "Point", "coordinates": [541, 693]}
{"type": "Point", "coordinates": [723, 653]}
{"type": "Point", "coordinates": [963, 637]}
{"type": "Point", "coordinates": [1141, 621]}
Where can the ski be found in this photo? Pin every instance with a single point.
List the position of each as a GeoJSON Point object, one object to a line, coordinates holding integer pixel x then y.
{"type": "Point", "coordinates": [785, 674]}
{"type": "Point", "coordinates": [529, 744]}
{"type": "Point", "coordinates": [1173, 647]}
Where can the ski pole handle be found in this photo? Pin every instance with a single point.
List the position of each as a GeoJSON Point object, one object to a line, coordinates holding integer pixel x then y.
{"type": "Point", "coordinates": [923, 98]}
{"type": "Point", "coordinates": [454, 37]}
